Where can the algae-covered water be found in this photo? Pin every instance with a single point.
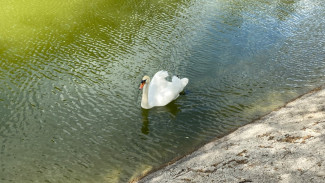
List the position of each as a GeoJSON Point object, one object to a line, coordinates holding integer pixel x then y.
{"type": "Point", "coordinates": [70, 70]}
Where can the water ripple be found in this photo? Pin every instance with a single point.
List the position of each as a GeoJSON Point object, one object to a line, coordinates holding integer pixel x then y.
{"type": "Point", "coordinates": [69, 80]}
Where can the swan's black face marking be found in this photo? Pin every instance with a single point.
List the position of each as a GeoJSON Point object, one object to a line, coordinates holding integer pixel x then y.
{"type": "Point", "coordinates": [143, 82]}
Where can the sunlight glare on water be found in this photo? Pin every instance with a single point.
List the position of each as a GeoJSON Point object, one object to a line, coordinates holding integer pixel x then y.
{"type": "Point", "coordinates": [70, 72]}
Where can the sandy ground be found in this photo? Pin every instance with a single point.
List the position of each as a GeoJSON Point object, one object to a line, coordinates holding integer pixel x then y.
{"type": "Point", "coordinates": [287, 145]}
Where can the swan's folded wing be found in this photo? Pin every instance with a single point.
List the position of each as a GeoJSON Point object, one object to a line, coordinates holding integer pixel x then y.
{"type": "Point", "coordinates": [157, 84]}
{"type": "Point", "coordinates": [161, 92]}
{"type": "Point", "coordinates": [159, 80]}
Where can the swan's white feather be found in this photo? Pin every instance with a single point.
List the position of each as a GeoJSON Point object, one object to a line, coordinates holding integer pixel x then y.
{"type": "Point", "coordinates": [161, 92]}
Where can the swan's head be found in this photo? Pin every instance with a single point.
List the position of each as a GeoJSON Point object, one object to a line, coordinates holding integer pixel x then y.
{"type": "Point", "coordinates": [145, 80]}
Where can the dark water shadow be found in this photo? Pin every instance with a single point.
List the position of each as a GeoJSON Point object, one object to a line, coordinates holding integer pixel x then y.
{"type": "Point", "coordinates": [172, 109]}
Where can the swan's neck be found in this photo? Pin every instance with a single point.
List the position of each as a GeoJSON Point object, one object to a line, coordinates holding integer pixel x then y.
{"type": "Point", "coordinates": [144, 101]}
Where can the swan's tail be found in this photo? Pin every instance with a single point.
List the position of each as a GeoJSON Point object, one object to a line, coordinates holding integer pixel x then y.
{"type": "Point", "coordinates": [184, 82]}
{"type": "Point", "coordinates": [179, 84]}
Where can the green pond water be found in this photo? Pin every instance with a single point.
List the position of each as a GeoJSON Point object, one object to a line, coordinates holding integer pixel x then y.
{"type": "Point", "coordinates": [70, 71]}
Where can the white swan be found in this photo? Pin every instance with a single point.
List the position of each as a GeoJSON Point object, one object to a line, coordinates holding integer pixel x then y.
{"type": "Point", "coordinates": [159, 91]}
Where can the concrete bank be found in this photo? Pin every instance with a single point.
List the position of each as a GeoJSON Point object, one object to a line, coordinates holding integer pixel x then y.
{"type": "Point", "coordinates": [287, 145]}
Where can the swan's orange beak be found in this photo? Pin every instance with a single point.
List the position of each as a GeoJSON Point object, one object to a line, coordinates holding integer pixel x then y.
{"type": "Point", "coordinates": [141, 86]}
{"type": "Point", "coordinates": [143, 82]}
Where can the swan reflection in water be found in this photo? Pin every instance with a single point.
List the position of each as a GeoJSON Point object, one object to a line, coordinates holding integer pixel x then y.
{"type": "Point", "coordinates": [172, 109]}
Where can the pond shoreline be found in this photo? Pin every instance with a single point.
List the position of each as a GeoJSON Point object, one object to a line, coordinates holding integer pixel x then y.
{"type": "Point", "coordinates": [285, 145]}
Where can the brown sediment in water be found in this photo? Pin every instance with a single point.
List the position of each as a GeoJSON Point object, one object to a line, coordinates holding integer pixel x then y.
{"type": "Point", "coordinates": [281, 143]}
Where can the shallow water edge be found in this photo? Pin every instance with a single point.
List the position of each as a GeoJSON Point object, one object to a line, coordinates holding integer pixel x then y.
{"type": "Point", "coordinates": [179, 159]}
